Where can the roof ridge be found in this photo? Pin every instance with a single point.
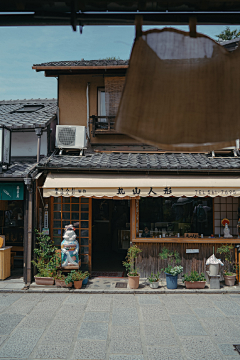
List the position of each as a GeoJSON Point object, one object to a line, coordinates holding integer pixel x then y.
{"type": "Point", "coordinates": [26, 101]}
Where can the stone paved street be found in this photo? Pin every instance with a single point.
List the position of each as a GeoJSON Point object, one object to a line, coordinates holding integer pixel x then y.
{"type": "Point", "coordinates": [119, 326]}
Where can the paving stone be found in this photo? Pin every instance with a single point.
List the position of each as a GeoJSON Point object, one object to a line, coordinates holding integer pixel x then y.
{"type": "Point", "coordinates": [96, 316]}
{"type": "Point", "coordinates": [228, 307]}
{"type": "Point", "coordinates": [53, 351]}
{"type": "Point", "coordinates": [9, 299]}
{"type": "Point", "coordinates": [124, 300]}
{"type": "Point", "coordinates": [133, 346]}
{"type": "Point", "coordinates": [77, 299]}
{"type": "Point", "coordinates": [58, 334]}
{"type": "Point", "coordinates": [9, 322]}
{"type": "Point", "coordinates": [150, 299]}
{"type": "Point", "coordinates": [3, 338]}
{"type": "Point", "coordinates": [153, 313]}
{"type": "Point", "coordinates": [99, 302]}
{"type": "Point", "coordinates": [199, 348]}
{"type": "Point", "coordinates": [197, 300]}
{"type": "Point", "coordinates": [21, 308]}
{"type": "Point", "coordinates": [178, 308]}
{"type": "Point", "coordinates": [96, 331]}
{"type": "Point", "coordinates": [222, 332]}
{"type": "Point", "coordinates": [164, 353]}
{"type": "Point", "coordinates": [161, 334]}
{"type": "Point", "coordinates": [125, 317]}
{"type": "Point", "coordinates": [187, 325]}
{"type": "Point", "coordinates": [92, 350]}
{"type": "Point", "coordinates": [126, 357]}
{"type": "Point", "coordinates": [228, 349]}
{"type": "Point", "coordinates": [21, 343]}
{"type": "Point", "coordinates": [208, 312]}
{"type": "Point", "coordinates": [126, 333]}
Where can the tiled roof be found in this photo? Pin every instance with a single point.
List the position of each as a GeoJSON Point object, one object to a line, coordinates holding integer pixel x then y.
{"type": "Point", "coordinates": [85, 63]}
{"type": "Point", "coordinates": [130, 161]}
{"type": "Point", "coordinates": [19, 167]}
{"type": "Point", "coordinates": [19, 120]}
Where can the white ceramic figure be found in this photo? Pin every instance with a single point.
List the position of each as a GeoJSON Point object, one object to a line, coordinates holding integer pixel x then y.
{"type": "Point", "coordinates": [226, 232]}
{"type": "Point", "coordinates": [69, 247]}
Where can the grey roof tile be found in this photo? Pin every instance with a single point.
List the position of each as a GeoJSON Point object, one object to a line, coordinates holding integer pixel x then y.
{"type": "Point", "coordinates": [141, 161]}
{"type": "Point", "coordinates": [24, 120]}
{"type": "Point", "coordinates": [102, 62]}
{"type": "Point", "coordinates": [19, 167]}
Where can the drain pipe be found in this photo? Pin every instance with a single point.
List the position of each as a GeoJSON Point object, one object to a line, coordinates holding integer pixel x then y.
{"type": "Point", "coordinates": [88, 111]}
{"type": "Point", "coordinates": [38, 132]}
{"type": "Point", "coordinates": [28, 183]}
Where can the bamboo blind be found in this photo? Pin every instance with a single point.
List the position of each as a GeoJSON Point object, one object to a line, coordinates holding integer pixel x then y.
{"type": "Point", "coordinates": [113, 93]}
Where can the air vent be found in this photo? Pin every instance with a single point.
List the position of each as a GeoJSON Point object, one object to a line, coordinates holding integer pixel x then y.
{"type": "Point", "coordinates": [70, 137]}
{"type": "Point", "coordinates": [66, 136]}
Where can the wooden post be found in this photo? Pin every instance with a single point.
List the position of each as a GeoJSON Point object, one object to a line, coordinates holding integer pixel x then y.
{"type": "Point", "coordinates": [236, 262]}
{"type": "Point", "coordinates": [192, 26]}
{"type": "Point", "coordinates": [138, 26]}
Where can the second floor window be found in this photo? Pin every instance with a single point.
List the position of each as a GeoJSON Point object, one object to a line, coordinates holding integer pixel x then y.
{"type": "Point", "coordinates": [101, 104]}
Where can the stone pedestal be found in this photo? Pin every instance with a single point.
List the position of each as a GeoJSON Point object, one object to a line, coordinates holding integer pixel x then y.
{"type": "Point", "coordinates": [214, 281]}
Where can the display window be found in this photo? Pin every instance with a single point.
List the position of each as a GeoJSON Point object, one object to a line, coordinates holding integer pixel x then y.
{"type": "Point", "coordinates": [11, 222]}
{"type": "Point", "coordinates": [169, 217]}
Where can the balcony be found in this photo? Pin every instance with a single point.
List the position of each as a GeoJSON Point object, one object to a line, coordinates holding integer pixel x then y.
{"type": "Point", "coordinates": [102, 125]}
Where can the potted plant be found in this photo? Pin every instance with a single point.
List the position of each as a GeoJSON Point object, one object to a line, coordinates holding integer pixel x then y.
{"type": "Point", "coordinates": [86, 276]}
{"type": "Point", "coordinates": [194, 280]}
{"type": "Point", "coordinates": [172, 269]}
{"type": "Point", "coordinates": [46, 261]}
{"type": "Point", "coordinates": [60, 279]}
{"type": "Point", "coordinates": [132, 273]}
{"type": "Point", "coordinates": [154, 280]}
{"type": "Point", "coordinates": [76, 277]}
{"type": "Point", "coordinates": [229, 272]}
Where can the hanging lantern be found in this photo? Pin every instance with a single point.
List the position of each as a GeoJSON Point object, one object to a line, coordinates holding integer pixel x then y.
{"type": "Point", "coordinates": [181, 93]}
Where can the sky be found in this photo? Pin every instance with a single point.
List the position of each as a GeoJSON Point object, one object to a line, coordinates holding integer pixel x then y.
{"type": "Point", "coordinates": [21, 47]}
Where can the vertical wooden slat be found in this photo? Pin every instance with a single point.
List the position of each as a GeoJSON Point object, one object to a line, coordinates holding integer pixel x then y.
{"type": "Point", "coordinates": [90, 235]}
{"type": "Point", "coordinates": [236, 262]}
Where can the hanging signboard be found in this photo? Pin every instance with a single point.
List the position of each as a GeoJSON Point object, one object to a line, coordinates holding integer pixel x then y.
{"type": "Point", "coordinates": [12, 191]}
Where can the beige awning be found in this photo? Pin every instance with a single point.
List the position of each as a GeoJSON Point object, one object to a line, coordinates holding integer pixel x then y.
{"type": "Point", "coordinates": [139, 185]}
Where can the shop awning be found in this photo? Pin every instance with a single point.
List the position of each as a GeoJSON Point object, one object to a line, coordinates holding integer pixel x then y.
{"type": "Point", "coordinates": [139, 185]}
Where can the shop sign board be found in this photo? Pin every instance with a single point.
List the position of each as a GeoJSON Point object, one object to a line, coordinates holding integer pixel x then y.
{"type": "Point", "coordinates": [12, 191]}
{"type": "Point", "coordinates": [192, 251]}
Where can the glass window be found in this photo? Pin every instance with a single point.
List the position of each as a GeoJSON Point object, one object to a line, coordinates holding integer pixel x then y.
{"type": "Point", "coordinates": [84, 216]}
{"type": "Point", "coordinates": [66, 207]}
{"type": "Point", "coordinates": [57, 215]}
{"type": "Point", "coordinates": [75, 207]}
{"type": "Point", "coordinates": [170, 216]}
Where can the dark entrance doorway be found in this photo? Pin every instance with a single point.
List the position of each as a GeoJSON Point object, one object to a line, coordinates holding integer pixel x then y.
{"type": "Point", "coordinates": [110, 234]}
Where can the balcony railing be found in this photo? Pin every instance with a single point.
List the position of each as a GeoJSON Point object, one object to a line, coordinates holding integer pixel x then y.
{"type": "Point", "coordinates": [102, 125]}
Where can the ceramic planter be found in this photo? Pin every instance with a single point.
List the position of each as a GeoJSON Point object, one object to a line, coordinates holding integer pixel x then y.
{"type": "Point", "coordinates": [171, 281]}
{"type": "Point", "coordinates": [85, 281]}
{"type": "Point", "coordinates": [229, 279]}
{"type": "Point", "coordinates": [133, 281]}
{"type": "Point", "coordinates": [154, 285]}
{"type": "Point", "coordinates": [62, 283]}
{"type": "Point", "coordinates": [78, 284]}
{"type": "Point", "coordinates": [44, 280]}
{"type": "Point", "coordinates": [195, 284]}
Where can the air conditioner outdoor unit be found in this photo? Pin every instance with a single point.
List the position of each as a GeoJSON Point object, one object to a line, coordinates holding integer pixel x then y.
{"type": "Point", "coordinates": [71, 137]}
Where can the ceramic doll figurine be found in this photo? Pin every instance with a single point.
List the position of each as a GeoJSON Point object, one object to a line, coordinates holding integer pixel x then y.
{"type": "Point", "coordinates": [69, 247]}
{"type": "Point", "coordinates": [226, 232]}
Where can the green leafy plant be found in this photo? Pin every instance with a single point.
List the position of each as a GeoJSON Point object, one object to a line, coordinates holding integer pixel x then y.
{"type": "Point", "coordinates": [173, 270]}
{"type": "Point", "coordinates": [59, 275]}
{"type": "Point", "coordinates": [194, 276]}
{"type": "Point", "coordinates": [47, 261]}
{"type": "Point", "coordinates": [170, 256]}
{"type": "Point", "coordinates": [86, 274]}
{"type": "Point", "coordinates": [230, 267]}
{"type": "Point", "coordinates": [77, 275]}
{"type": "Point", "coordinates": [154, 277]}
{"type": "Point", "coordinates": [129, 264]}
{"type": "Point", "coordinates": [68, 279]}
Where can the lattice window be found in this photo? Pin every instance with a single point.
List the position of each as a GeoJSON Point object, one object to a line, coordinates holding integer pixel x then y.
{"type": "Point", "coordinates": [76, 211]}
{"type": "Point", "coordinates": [225, 207]}
{"type": "Point", "coordinates": [113, 93]}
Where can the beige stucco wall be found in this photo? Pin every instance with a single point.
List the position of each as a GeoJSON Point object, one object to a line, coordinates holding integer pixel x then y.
{"type": "Point", "coordinates": [73, 104]}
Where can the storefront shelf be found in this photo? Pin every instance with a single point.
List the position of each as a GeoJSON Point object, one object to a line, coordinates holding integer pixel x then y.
{"type": "Point", "coordinates": [188, 241]}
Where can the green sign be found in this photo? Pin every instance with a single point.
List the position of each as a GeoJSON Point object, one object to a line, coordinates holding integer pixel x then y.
{"type": "Point", "coordinates": [12, 191]}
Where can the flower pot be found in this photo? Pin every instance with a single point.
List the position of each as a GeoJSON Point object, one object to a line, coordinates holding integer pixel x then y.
{"type": "Point", "coordinates": [85, 281]}
{"type": "Point", "coordinates": [195, 284]}
{"type": "Point", "coordinates": [171, 281]}
{"type": "Point", "coordinates": [78, 284]}
{"type": "Point", "coordinates": [133, 281]}
{"type": "Point", "coordinates": [229, 279]}
{"type": "Point", "coordinates": [44, 280]}
{"type": "Point", "coordinates": [62, 283]}
{"type": "Point", "coordinates": [154, 285]}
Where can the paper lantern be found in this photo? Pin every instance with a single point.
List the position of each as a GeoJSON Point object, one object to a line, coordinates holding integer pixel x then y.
{"type": "Point", "coordinates": [181, 92]}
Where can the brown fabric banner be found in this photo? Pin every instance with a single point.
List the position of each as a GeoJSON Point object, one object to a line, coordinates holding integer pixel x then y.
{"type": "Point", "coordinates": [181, 93]}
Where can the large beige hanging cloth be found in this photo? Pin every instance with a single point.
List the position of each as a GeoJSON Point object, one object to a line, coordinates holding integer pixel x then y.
{"type": "Point", "coordinates": [181, 93]}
